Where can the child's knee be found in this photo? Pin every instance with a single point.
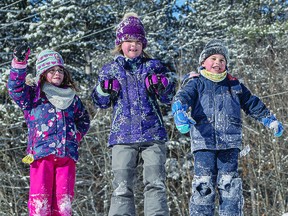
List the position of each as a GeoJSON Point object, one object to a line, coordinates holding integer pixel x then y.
{"type": "Point", "coordinates": [123, 182]}
{"type": "Point", "coordinates": [230, 185]}
{"type": "Point", "coordinates": [62, 205]}
{"type": "Point", "coordinates": [231, 199]}
{"type": "Point", "coordinates": [203, 190]}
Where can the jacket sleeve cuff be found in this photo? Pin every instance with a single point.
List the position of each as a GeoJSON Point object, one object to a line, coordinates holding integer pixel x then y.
{"type": "Point", "coordinates": [18, 65]}
{"type": "Point", "coordinates": [99, 90]}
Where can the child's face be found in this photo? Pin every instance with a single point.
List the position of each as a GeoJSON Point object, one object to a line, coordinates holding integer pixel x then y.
{"type": "Point", "coordinates": [55, 75]}
{"type": "Point", "coordinates": [215, 63]}
{"type": "Point", "coordinates": [132, 49]}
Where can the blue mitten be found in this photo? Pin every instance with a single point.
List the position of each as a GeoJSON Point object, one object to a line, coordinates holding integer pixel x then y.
{"type": "Point", "coordinates": [272, 123]}
{"type": "Point", "coordinates": [181, 119]}
{"type": "Point", "coordinates": [277, 127]}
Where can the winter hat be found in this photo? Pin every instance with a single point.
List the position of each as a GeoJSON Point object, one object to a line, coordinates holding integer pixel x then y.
{"type": "Point", "coordinates": [214, 46]}
{"type": "Point", "coordinates": [46, 60]}
{"type": "Point", "coordinates": [130, 28]}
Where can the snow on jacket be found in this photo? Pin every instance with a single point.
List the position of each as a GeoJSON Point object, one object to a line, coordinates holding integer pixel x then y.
{"type": "Point", "coordinates": [136, 113]}
{"type": "Point", "coordinates": [216, 108]}
{"type": "Point", "coordinates": [50, 130]}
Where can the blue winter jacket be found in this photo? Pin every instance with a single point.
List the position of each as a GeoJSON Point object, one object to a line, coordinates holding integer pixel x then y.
{"type": "Point", "coordinates": [216, 108]}
{"type": "Point", "coordinates": [50, 130]}
{"type": "Point", "coordinates": [136, 113]}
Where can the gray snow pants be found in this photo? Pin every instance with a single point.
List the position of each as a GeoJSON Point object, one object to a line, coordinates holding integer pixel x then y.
{"type": "Point", "coordinates": [124, 163]}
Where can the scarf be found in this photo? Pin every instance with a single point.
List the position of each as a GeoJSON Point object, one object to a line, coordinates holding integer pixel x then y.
{"type": "Point", "coordinates": [61, 98]}
{"type": "Point", "coordinates": [214, 76]}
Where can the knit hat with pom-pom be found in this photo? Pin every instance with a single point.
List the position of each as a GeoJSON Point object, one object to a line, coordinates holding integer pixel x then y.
{"type": "Point", "coordinates": [46, 60]}
{"type": "Point", "coordinates": [214, 46]}
{"type": "Point", "coordinates": [130, 28]}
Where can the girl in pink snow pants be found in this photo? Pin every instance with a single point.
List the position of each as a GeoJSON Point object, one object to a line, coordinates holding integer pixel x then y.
{"type": "Point", "coordinates": [56, 121]}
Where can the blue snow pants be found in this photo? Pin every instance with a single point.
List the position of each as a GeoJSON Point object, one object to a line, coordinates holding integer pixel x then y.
{"type": "Point", "coordinates": [124, 162]}
{"type": "Point", "coordinates": [221, 167]}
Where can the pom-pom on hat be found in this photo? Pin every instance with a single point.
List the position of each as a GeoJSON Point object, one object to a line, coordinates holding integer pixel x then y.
{"type": "Point", "coordinates": [214, 46]}
{"type": "Point", "coordinates": [130, 28]}
{"type": "Point", "coordinates": [46, 60]}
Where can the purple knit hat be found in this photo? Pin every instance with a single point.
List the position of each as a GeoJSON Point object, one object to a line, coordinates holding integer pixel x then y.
{"type": "Point", "coordinates": [130, 28]}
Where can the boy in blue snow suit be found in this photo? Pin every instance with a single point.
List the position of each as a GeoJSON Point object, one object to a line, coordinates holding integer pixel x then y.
{"type": "Point", "coordinates": [132, 84]}
{"type": "Point", "coordinates": [216, 99]}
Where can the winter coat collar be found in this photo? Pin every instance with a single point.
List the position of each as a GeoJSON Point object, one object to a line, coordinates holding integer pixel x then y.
{"type": "Point", "coordinates": [130, 65]}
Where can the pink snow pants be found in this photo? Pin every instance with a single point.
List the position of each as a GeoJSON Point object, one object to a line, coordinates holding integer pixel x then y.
{"type": "Point", "coordinates": [52, 181]}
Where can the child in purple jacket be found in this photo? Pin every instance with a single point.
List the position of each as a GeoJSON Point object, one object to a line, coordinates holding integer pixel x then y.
{"type": "Point", "coordinates": [132, 83]}
{"type": "Point", "coordinates": [57, 121]}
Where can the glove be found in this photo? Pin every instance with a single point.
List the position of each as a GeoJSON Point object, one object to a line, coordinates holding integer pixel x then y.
{"type": "Point", "coordinates": [272, 123]}
{"type": "Point", "coordinates": [21, 53]}
{"type": "Point", "coordinates": [277, 127]}
{"type": "Point", "coordinates": [110, 86]}
{"type": "Point", "coordinates": [181, 119]}
{"type": "Point", "coordinates": [156, 83]}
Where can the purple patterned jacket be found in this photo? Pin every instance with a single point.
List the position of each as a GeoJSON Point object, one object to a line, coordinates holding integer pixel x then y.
{"type": "Point", "coordinates": [136, 113]}
{"type": "Point", "coordinates": [50, 130]}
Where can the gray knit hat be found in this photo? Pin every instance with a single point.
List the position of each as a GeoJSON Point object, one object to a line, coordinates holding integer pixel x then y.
{"type": "Point", "coordinates": [214, 46]}
{"type": "Point", "coordinates": [46, 60]}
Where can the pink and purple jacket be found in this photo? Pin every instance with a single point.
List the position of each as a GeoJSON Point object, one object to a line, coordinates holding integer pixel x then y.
{"type": "Point", "coordinates": [50, 130]}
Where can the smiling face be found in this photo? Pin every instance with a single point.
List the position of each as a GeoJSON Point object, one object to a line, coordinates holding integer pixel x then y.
{"type": "Point", "coordinates": [132, 49]}
{"type": "Point", "coordinates": [55, 75]}
{"type": "Point", "coordinates": [215, 63]}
